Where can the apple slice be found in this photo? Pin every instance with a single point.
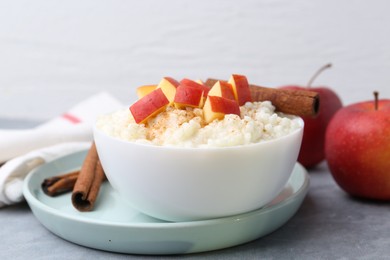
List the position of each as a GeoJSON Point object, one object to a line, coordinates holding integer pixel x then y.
{"type": "Point", "coordinates": [217, 107]}
{"type": "Point", "coordinates": [188, 96]}
{"type": "Point", "coordinates": [144, 90]}
{"type": "Point", "coordinates": [148, 106]}
{"type": "Point", "coordinates": [241, 89]}
{"type": "Point", "coordinates": [168, 86]}
{"type": "Point", "coordinates": [222, 89]}
{"type": "Point", "coordinates": [194, 84]}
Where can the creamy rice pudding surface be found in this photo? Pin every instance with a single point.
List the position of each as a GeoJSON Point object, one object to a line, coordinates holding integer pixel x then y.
{"type": "Point", "coordinates": [186, 127]}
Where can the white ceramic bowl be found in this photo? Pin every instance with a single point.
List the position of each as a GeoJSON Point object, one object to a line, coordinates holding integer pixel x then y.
{"type": "Point", "coordinates": [186, 184]}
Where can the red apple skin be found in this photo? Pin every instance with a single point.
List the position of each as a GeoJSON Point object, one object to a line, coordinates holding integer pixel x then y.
{"type": "Point", "coordinates": [194, 84]}
{"type": "Point", "coordinates": [241, 89]}
{"type": "Point", "coordinates": [173, 81]}
{"type": "Point", "coordinates": [148, 105]}
{"type": "Point", "coordinates": [217, 107]}
{"type": "Point", "coordinates": [224, 105]}
{"type": "Point", "coordinates": [313, 142]}
{"type": "Point", "coordinates": [357, 148]}
{"type": "Point", "coordinates": [188, 96]}
{"type": "Point", "coordinates": [222, 89]}
{"type": "Point", "coordinates": [226, 90]}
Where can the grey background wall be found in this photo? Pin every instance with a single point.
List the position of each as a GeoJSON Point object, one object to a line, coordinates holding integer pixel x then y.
{"type": "Point", "coordinates": [54, 54]}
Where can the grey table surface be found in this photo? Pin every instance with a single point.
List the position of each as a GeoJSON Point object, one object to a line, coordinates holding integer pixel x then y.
{"type": "Point", "coordinates": [329, 225]}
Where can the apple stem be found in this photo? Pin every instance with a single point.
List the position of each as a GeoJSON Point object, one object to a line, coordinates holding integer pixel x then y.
{"type": "Point", "coordinates": [327, 66]}
{"type": "Point", "coordinates": [376, 94]}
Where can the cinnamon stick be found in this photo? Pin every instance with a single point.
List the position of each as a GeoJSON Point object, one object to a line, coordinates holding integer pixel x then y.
{"type": "Point", "coordinates": [56, 185]}
{"type": "Point", "coordinates": [296, 102]}
{"type": "Point", "coordinates": [88, 183]}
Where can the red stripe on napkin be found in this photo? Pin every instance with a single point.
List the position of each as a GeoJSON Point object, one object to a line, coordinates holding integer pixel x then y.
{"type": "Point", "coordinates": [71, 118]}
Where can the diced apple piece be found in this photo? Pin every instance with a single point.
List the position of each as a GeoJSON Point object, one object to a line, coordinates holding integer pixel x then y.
{"type": "Point", "coordinates": [168, 86]}
{"type": "Point", "coordinates": [241, 89]}
{"type": "Point", "coordinates": [194, 84]}
{"type": "Point", "coordinates": [199, 81]}
{"type": "Point", "coordinates": [188, 97]}
{"type": "Point", "coordinates": [148, 106]}
{"type": "Point", "coordinates": [222, 89]}
{"type": "Point", "coordinates": [217, 107]}
{"type": "Point", "coordinates": [144, 90]}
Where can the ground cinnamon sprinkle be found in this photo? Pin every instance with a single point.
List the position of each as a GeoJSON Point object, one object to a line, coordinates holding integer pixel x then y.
{"type": "Point", "coordinates": [158, 125]}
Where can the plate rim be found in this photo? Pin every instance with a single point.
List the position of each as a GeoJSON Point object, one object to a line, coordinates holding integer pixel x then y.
{"type": "Point", "coordinates": [31, 198]}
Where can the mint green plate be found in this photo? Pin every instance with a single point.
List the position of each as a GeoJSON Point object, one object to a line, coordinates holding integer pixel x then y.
{"type": "Point", "coordinates": [114, 226]}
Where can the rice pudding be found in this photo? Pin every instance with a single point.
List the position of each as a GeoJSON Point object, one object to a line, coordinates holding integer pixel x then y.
{"type": "Point", "coordinates": [257, 122]}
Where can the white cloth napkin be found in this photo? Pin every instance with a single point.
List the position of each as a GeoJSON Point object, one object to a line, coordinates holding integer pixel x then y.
{"type": "Point", "coordinates": [24, 150]}
{"type": "Point", "coordinates": [15, 170]}
{"type": "Point", "coordinates": [72, 126]}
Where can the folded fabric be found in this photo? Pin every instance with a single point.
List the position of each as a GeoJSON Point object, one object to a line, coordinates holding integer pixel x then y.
{"type": "Point", "coordinates": [73, 126]}
{"type": "Point", "coordinates": [24, 150]}
{"type": "Point", "coordinates": [13, 172]}
{"type": "Point", "coordinates": [18, 142]}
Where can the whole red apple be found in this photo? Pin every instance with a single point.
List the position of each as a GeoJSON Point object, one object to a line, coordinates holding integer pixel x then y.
{"type": "Point", "coordinates": [357, 148]}
{"type": "Point", "coordinates": [312, 148]}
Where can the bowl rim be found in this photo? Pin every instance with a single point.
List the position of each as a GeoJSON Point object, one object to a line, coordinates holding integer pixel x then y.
{"type": "Point", "coordinates": [200, 148]}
